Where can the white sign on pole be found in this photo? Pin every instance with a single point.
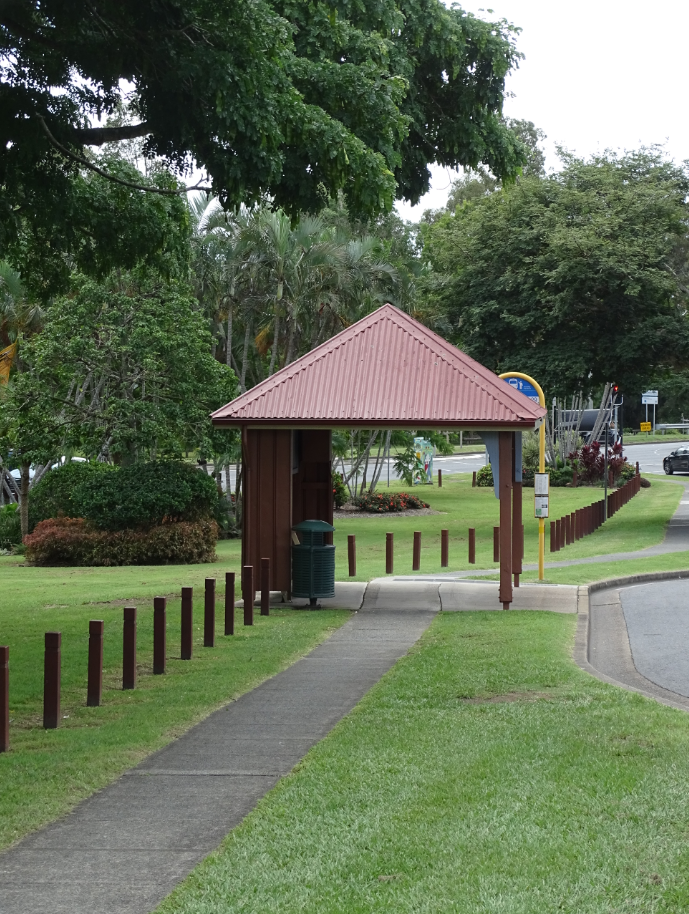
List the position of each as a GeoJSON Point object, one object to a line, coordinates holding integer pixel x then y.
{"type": "Point", "coordinates": [541, 484]}
{"type": "Point", "coordinates": [649, 398]}
{"type": "Point", "coordinates": [541, 506]}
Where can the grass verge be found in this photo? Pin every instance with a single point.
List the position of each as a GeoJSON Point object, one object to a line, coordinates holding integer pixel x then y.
{"type": "Point", "coordinates": [485, 774]}
{"type": "Point", "coordinates": [48, 771]}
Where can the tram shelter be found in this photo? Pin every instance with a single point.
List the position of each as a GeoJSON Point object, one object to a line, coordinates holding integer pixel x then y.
{"type": "Point", "coordinates": [385, 371]}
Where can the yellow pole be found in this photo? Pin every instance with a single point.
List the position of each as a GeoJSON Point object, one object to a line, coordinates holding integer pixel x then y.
{"type": "Point", "coordinates": [541, 465]}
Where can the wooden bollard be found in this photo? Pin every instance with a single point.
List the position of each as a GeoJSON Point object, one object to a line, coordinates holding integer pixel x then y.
{"type": "Point", "coordinates": [4, 699]}
{"type": "Point", "coordinates": [209, 613]}
{"type": "Point", "coordinates": [51, 680]}
{"type": "Point", "coordinates": [351, 554]}
{"type": "Point", "coordinates": [573, 527]}
{"type": "Point", "coordinates": [496, 544]}
{"type": "Point", "coordinates": [637, 468]}
{"type": "Point", "coordinates": [440, 479]}
{"type": "Point", "coordinates": [248, 593]}
{"type": "Point", "coordinates": [558, 527]}
{"type": "Point", "coordinates": [568, 530]}
{"type": "Point", "coordinates": [473, 480]}
{"type": "Point", "coordinates": [389, 553]}
{"type": "Point", "coordinates": [265, 587]}
{"type": "Point", "coordinates": [94, 688]}
{"type": "Point", "coordinates": [187, 622]}
{"type": "Point", "coordinates": [229, 603]}
{"type": "Point", "coordinates": [129, 648]}
{"type": "Point", "coordinates": [159, 635]}
{"type": "Point", "coordinates": [552, 536]}
{"type": "Point", "coordinates": [416, 556]}
{"type": "Point", "coordinates": [472, 545]}
{"type": "Point", "coordinates": [444, 548]}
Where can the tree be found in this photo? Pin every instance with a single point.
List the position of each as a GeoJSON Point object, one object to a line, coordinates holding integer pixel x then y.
{"type": "Point", "coordinates": [122, 372]}
{"type": "Point", "coordinates": [288, 99]}
{"type": "Point", "coordinates": [577, 279]}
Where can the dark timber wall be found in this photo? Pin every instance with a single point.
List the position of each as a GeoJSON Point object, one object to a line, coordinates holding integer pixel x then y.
{"type": "Point", "coordinates": [312, 488]}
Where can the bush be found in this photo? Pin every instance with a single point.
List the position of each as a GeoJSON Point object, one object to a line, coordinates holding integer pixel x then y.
{"type": "Point", "coordinates": [53, 495]}
{"type": "Point", "coordinates": [561, 476]}
{"type": "Point", "coordinates": [484, 477]}
{"type": "Point", "coordinates": [146, 495]}
{"type": "Point", "coordinates": [10, 527]}
{"type": "Point", "coordinates": [73, 541]}
{"type": "Point", "coordinates": [340, 491]}
{"type": "Point", "coordinates": [627, 472]}
{"type": "Point", "coordinates": [385, 504]}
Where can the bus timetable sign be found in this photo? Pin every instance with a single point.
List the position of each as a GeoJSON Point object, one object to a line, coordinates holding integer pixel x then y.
{"type": "Point", "coordinates": [524, 388]}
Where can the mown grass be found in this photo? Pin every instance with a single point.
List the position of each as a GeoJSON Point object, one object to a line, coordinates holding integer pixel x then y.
{"type": "Point", "coordinates": [485, 774]}
{"type": "Point", "coordinates": [48, 771]}
{"type": "Point", "coordinates": [638, 524]}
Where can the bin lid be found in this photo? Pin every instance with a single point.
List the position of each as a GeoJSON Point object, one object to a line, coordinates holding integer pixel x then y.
{"type": "Point", "coordinates": [314, 526]}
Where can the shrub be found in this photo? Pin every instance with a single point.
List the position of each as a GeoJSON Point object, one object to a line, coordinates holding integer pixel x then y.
{"type": "Point", "coordinates": [53, 495]}
{"type": "Point", "coordinates": [385, 504]}
{"type": "Point", "coordinates": [10, 526]}
{"type": "Point", "coordinates": [340, 492]}
{"type": "Point", "coordinates": [146, 495]}
{"type": "Point", "coordinates": [73, 541]}
{"type": "Point", "coordinates": [484, 477]}
{"type": "Point", "coordinates": [627, 472]}
{"type": "Point", "coordinates": [645, 483]}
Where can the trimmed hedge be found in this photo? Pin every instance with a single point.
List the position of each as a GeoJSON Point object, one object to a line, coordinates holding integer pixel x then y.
{"type": "Point", "coordinates": [386, 504]}
{"type": "Point", "coordinates": [53, 496]}
{"type": "Point", "coordinates": [73, 541]}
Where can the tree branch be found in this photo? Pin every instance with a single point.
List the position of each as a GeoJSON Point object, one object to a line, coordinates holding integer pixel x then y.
{"type": "Point", "coordinates": [97, 136]}
{"type": "Point", "coordinates": [104, 174]}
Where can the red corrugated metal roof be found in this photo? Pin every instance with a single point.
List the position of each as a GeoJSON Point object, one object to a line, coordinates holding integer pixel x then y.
{"type": "Point", "coordinates": [387, 369]}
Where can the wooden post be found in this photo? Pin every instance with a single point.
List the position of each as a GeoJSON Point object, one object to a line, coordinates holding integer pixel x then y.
{"type": "Point", "coordinates": [552, 536]}
{"type": "Point", "coordinates": [506, 443]}
{"type": "Point", "coordinates": [265, 587]}
{"type": "Point", "coordinates": [248, 593]}
{"type": "Point", "coordinates": [51, 680]}
{"type": "Point", "coordinates": [4, 699]}
{"type": "Point", "coordinates": [473, 480]}
{"type": "Point", "coordinates": [496, 544]}
{"type": "Point", "coordinates": [229, 603]}
{"type": "Point", "coordinates": [209, 614]}
{"type": "Point", "coordinates": [444, 548]}
{"type": "Point", "coordinates": [389, 553]}
{"type": "Point", "coordinates": [94, 687]}
{"type": "Point", "coordinates": [440, 479]}
{"type": "Point", "coordinates": [129, 648]}
{"type": "Point", "coordinates": [187, 622]}
{"type": "Point", "coordinates": [472, 545]}
{"type": "Point", "coordinates": [416, 558]}
{"type": "Point", "coordinates": [568, 530]}
{"type": "Point", "coordinates": [558, 533]}
{"type": "Point", "coordinates": [159, 635]}
{"type": "Point", "coordinates": [351, 554]}
{"type": "Point", "coordinates": [516, 529]}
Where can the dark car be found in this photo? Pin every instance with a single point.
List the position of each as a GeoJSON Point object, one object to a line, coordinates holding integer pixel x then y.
{"type": "Point", "coordinates": [677, 461]}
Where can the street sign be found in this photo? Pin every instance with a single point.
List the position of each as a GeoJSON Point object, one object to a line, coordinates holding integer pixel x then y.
{"type": "Point", "coordinates": [645, 426]}
{"type": "Point", "coordinates": [524, 387]}
{"type": "Point", "coordinates": [541, 506]}
{"type": "Point", "coordinates": [541, 486]}
{"type": "Point", "coordinates": [649, 398]}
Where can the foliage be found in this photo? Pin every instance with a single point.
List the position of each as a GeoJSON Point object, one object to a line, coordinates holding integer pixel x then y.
{"type": "Point", "coordinates": [53, 496]}
{"type": "Point", "coordinates": [627, 472]}
{"type": "Point", "coordinates": [73, 541]}
{"type": "Point", "coordinates": [590, 462]}
{"type": "Point", "coordinates": [10, 526]}
{"type": "Point", "coordinates": [560, 476]}
{"type": "Point", "coordinates": [484, 476]}
{"type": "Point", "coordinates": [388, 503]}
{"type": "Point", "coordinates": [284, 100]}
{"type": "Point", "coordinates": [121, 371]}
{"type": "Point", "coordinates": [340, 491]}
{"type": "Point", "coordinates": [577, 278]}
{"type": "Point", "coordinates": [145, 495]}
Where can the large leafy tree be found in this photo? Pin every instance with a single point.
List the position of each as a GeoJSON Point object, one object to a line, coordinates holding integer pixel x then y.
{"type": "Point", "coordinates": [285, 98]}
{"type": "Point", "coordinates": [577, 279]}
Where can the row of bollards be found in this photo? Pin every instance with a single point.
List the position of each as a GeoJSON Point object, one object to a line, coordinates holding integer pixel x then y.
{"type": "Point", "coordinates": [416, 550]}
{"type": "Point", "coordinates": [52, 664]}
{"type": "Point", "coordinates": [572, 527]}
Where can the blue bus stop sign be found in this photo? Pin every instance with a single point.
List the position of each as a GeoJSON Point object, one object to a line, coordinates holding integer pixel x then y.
{"type": "Point", "coordinates": [524, 387]}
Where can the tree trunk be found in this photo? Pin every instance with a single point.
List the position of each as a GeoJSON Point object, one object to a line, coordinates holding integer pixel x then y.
{"type": "Point", "coordinates": [228, 339]}
{"type": "Point", "coordinates": [245, 356]}
{"type": "Point", "coordinates": [24, 498]}
{"type": "Point", "coordinates": [276, 341]}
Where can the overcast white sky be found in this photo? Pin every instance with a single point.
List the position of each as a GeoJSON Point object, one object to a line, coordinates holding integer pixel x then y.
{"type": "Point", "coordinates": [596, 75]}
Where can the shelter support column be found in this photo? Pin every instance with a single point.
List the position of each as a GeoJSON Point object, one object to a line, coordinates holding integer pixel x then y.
{"type": "Point", "coordinates": [506, 445]}
{"type": "Point", "coordinates": [516, 518]}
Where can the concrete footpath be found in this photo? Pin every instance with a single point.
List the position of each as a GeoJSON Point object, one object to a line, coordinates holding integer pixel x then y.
{"type": "Point", "coordinates": [124, 849]}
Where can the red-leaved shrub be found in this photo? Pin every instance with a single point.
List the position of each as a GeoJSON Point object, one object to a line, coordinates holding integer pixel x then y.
{"type": "Point", "coordinates": [72, 541]}
{"type": "Point", "coordinates": [385, 503]}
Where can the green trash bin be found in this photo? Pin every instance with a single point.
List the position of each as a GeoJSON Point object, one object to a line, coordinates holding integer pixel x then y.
{"type": "Point", "coordinates": [313, 562]}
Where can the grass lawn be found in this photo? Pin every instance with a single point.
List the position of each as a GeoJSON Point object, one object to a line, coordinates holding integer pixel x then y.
{"type": "Point", "coordinates": [639, 524]}
{"type": "Point", "coordinates": [49, 771]}
{"type": "Point", "coordinates": [602, 571]}
{"type": "Point", "coordinates": [485, 774]}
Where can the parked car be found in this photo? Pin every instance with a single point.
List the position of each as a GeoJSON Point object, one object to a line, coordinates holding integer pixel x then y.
{"type": "Point", "coordinates": [677, 461]}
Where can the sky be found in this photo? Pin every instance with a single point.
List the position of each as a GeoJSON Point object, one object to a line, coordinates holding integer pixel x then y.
{"type": "Point", "coordinates": [595, 76]}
